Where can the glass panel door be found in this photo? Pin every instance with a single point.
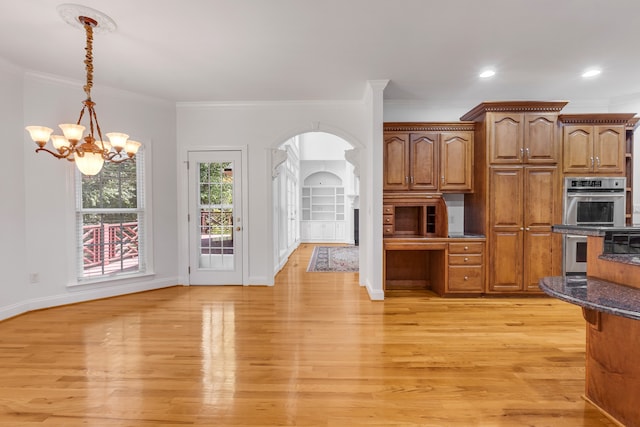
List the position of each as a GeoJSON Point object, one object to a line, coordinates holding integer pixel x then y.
{"type": "Point", "coordinates": [215, 221]}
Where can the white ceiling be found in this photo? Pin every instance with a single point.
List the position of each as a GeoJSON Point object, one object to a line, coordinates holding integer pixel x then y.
{"type": "Point", "coordinates": [266, 50]}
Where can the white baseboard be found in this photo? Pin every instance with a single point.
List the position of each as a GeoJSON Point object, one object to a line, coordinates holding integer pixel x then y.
{"type": "Point", "coordinates": [374, 294]}
{"type": "Point", "coordinates": [81, 296]}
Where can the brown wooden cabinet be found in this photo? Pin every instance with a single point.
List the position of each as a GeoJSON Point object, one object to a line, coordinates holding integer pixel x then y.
{"type": "Point", "coordinates": [594, 149]}
{"type": "Point", "coordinates": [428, 157]}
{"type": "Point", "coordinates": [522, 137]}
{"type": "Point", "coordinates": [632, 124]}
{"type": "Point", "coordinates": [414, 215]}
{"type": "Point", "coordinates": [446, 266]}
{"type": "Point", "coordinates": [594, 143]}
{"type": "Point", "coordinates": [456, 161]}
{"type": "Point", "coordinates": [517, 194]}
{"type": "Point", "coordinates": [522, 212]}
{"type": "Point", "coordinates": [466, 268]}
{"type": "Point", "coordinates": [409, 161]}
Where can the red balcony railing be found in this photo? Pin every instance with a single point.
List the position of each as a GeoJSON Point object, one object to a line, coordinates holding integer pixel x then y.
{"type": "Point", "coordinates": [104, 244]}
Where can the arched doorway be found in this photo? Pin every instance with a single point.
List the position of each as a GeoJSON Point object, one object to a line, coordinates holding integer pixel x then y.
{"type": "Point", "coordinates": [315, 193]}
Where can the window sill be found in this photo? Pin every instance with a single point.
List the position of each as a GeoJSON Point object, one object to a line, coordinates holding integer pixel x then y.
{"type": "Point", "coordinates": [112, 280]}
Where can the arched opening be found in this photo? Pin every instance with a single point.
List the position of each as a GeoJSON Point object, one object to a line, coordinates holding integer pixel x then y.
{"type": "Point", "coordinates": [315, 194]}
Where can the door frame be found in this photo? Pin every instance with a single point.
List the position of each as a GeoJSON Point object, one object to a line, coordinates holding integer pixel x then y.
{"type": "Point", "coordinates": [183, 209]}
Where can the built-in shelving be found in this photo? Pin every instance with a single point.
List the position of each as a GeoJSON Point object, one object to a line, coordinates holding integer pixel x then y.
{"type": "Point", "coordinates": [323, 204]}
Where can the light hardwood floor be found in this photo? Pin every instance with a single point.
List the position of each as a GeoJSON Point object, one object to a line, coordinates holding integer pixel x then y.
{"type": "Point", "coordinates": [312, 350]}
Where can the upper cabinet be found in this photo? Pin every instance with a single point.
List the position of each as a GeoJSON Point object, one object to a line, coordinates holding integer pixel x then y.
{"type": "Point", "coordinates": [428, 157]}
{"type": "Point", "coordinates": [517, 138]}
{"type": "Point", "coordinates": [594, 143]}
{"type": "Point", "coordinates": [456, 161]}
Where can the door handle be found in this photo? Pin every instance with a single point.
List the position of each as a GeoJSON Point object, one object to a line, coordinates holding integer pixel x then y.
{"type": "Point", "coordinates": [238, 228]}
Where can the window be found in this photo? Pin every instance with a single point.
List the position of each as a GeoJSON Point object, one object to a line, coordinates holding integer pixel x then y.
{"type": "Point", "coordinates": [110, 221]}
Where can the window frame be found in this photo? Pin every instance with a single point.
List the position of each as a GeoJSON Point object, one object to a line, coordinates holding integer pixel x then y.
{"type": "Point", "coordinates": [143, 195]}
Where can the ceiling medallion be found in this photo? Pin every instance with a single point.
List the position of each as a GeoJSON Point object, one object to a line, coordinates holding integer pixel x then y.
{"type": "Point", "coordinates": [70, 13]}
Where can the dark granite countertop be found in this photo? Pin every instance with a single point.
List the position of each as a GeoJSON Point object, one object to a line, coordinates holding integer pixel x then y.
{"type": "Point", "coordinates": [466, 236]}
{"type": "Point", "coordinates": [595, 294]}
{"type": "Point", "coordinates": [583, 230]}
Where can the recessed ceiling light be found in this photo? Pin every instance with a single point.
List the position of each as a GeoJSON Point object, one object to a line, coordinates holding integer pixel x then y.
{"type": "Point", "coordinates": [487, 73]}
{"type": "Point", "coordinates": [591, 72]}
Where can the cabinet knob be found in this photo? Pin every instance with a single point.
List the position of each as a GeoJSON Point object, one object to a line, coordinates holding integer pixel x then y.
{"type": "Point", "coordinates": [521, 228]}
{"type": "Point", "coordinates": [466, 277]}
{"type": "Point", "coordinates": [466, 248]}
{"type": "Point", "coordinates": [466, 259]}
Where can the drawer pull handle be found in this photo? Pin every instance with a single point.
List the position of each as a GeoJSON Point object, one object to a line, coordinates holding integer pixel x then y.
{"type": "Point", "coordinates": [466, 248]}
{"type": "Point", "coordinates": [466, 259]}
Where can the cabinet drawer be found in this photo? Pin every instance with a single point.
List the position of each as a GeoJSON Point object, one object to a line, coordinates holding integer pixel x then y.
{"type": "Point", "coordinates": [387, 209]}
{"type": "Point", "coordinates": [465, 279]}
{"type": "Point", "coordinates": [387, 219]}
{"type": "Point", "coordinates": [465, 248]}
{"type": "Point", "coordinates": [387, 230]}
{"type": "Point", "coordinates": [470, 259]}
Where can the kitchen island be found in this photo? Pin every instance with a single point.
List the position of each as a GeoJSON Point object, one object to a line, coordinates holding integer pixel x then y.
{"type": "Point", "coordinates": [609, 295]}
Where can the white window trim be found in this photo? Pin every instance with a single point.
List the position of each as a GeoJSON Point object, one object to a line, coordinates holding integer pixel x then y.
{"type": "Point", "coordinates": [147, 251]}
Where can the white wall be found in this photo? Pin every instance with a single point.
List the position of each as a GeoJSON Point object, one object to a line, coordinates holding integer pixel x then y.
{"type": "Point", "coordinates": [14, 286]}
{"type": "Point", "coordinates": [42, 195]}
{"type": "Point", "coordinates": [320, 145]}
{"type": "Point", "coordinates": [261, 127]}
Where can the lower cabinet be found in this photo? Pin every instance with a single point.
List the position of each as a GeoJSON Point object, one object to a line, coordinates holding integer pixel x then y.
{"type": "Point", "coordinates": [465, 268]}
{"type": "Point", "coordinates": [445, 266]}
{"type": "Point", "coordinates": [322, 231]}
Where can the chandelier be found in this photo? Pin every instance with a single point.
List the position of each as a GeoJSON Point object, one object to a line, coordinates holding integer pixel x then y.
{"type": "Point", "coordinates": [88, 153]}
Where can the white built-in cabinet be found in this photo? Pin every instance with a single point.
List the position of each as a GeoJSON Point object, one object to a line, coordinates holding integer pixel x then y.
{"type": "Point", "coordinates": [323, 214]}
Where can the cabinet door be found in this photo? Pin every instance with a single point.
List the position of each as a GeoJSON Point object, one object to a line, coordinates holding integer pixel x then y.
{"type": "Point", "coordinates": [505, 134]}
{"type": "Point", "coordinates": [540, 145]}
{"type": "Point", "coordinates": [456, 161]}
{"type": "Point", "coordinates": [609, 149]}
{"type": "Point", "coordinates": [541, 195]}
{"type": "Point", "coordinates": [396, 161]}
{"type": "Point", "coordinates": [505, 261]}
{"type": "Point", "coordinates": [577, 149]}
{"type": "Point", "coordinates": [423, 173]}
{"type": "Point", "coordinates": [505, 253]}
{"type": "Point", "coordinates": [540, 256]}
{"type": "Point", "coordinates": [506, 198]}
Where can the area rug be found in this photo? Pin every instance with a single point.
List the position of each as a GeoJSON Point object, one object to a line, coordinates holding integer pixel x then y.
{"type": "Point", "coordinates": [334, 259]}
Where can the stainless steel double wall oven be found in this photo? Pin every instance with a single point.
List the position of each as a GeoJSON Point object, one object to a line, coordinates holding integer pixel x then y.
{"type": "Point", "coordinates": [591, 201]}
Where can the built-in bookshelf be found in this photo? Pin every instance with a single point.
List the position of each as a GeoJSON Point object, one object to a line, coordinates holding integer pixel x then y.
{"type": "Point", "coordinates": [323, 203]}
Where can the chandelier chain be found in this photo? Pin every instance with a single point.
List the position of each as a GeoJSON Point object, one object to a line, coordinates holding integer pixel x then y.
{"type": "Point", "coordinates": [88, 61]}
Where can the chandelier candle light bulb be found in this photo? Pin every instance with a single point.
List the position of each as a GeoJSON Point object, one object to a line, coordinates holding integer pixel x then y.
{"type": "Point", "coordinates": [90, 155]}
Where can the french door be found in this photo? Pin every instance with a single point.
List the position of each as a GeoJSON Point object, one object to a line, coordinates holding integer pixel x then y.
{"type": "Point", "coordinates": [215, 218]}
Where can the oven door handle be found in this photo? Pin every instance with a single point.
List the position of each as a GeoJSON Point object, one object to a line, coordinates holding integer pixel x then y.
{"type": "Point", "coordinates": [603, 195]}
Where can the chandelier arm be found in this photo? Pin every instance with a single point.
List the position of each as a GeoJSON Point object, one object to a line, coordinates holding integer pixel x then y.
{"type": "Point", "coordinates": [92, 112]}
{"type": "Point", "coordinates": [63, 155]}
{"type": "Point", "coordinates": [111, 158]}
